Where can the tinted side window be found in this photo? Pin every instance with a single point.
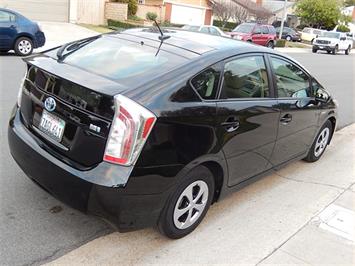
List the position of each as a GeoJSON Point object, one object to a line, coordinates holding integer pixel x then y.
{"type": "Point", "coordinates": [6, 17]}
{"type": "Point", "coordinates": [204, 30]}
{"type": "Point", "coordinates": [257, 30]}
{"type": "Point", "coordinates": [206, 83]}
{"type": "Point", "coordinates": [245, 78]}
{"type": "Point", "coordinates": [291, 80]}
{"type": "Point", "coordinates": [214, 31]}
{"type": "Point", "coordinates": [265, 30]}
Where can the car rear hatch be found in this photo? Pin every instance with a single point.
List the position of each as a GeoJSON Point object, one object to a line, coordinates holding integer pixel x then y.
{"type": "Point", "coordinates": [71, 116]}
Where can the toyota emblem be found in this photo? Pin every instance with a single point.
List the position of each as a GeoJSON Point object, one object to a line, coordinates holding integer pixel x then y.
{"type": "Point", "coordinates": [50, 104]}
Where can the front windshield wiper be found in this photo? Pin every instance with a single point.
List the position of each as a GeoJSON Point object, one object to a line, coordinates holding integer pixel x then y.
{"type": "Point", "coordinates": [74, 46]}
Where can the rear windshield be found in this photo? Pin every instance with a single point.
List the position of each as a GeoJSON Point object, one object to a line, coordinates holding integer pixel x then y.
{"type": "Point", "coordinates": [122, 60]}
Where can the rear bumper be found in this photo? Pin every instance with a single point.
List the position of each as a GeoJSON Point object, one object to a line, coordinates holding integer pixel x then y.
{"type": "Point", "coordinates": [128, 211]}
{"type": "Point", "coordinates": [39, 40]}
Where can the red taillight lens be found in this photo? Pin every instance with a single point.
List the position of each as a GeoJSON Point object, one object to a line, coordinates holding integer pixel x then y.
{"type": "Point", "coordinates": [129, 131]}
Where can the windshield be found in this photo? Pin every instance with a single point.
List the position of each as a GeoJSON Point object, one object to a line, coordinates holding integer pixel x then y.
{"type": "Point", "coordinates": [244, 28]}
{"type": "Point", "coordinates": [122, 60]}
{"type": "Point", "coordinates": [331, 35]}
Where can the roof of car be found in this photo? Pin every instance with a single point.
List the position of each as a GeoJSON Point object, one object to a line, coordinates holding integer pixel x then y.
{"type": "Point", "coordinates": [196, 42]}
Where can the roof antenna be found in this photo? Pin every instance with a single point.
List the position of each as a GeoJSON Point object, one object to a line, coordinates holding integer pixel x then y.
{"type": "Point", "coordinates": [162, 37]}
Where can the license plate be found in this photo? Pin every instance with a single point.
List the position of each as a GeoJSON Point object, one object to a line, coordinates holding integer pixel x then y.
{"type": "Point", "coordinates": [321, 47]}
{"type": "Point", "coordinates": [52, 126]}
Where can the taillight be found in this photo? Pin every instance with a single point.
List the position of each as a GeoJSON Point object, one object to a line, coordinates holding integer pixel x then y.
{"type": "Point", "coordinates": [130, 129]}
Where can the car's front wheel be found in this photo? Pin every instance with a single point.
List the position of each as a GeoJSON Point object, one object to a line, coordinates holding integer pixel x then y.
{"type": "Point", "coordinates": [314, 50]}
{"type": "Point", "coordinates": [320, 143]}
{"type": "Point", "coordinates": [335, 50]}
{"type": "Point", "coordinates": [188, 204]}
{"type": "Point", "coordinates": [347, 51]}
{"type": "Point", "coordinates": [288, 38]}
{"type": "Point", "coordinates": [270, 45]}
{"type": "Point", "coordinates": [23, 46]}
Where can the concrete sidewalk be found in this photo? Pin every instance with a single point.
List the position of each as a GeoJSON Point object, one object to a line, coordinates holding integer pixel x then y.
{"type": "Point", "coordinates": [302, 214]}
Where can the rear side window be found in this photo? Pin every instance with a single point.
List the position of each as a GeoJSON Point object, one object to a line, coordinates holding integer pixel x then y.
{"type": "Point", "coordinates": [206, 83]}
{"type": "Point", "coordinates": [214, 32]}
{"type": "Point", "coordinates": [122, 60]}
{"type": "Point", "coordinates": [245, 78]}
{"type": "Point", "coordinates": [290, 79]}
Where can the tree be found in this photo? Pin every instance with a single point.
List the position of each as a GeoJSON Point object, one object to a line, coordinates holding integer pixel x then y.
{"type": "Point", "coordinates": [225, 10]}
{"type": "Point", "coordinates": [319, 13]}
{"type": "Point", "coordinates": [240, 14]}
{"type": "Point", "coordinates": [349, 3]}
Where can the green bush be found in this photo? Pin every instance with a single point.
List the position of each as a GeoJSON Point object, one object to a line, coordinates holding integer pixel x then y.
{"type": "Point", "coordinates": [135, 18]}
{"type": "Point", "coordinates": [280, 43]}
{"type": "Point", "coordinates": [228, 27]}
{"type": "Point", "coordinates": [132, 6]}
{"type": "Point", "coordinates": [343, 28]}
{"type": "Point", "coordinates": [115, 24]}
{"type": "Point", "coordinates": [168, 24]}
{"type": "Point", "coordinates": [151, 16]}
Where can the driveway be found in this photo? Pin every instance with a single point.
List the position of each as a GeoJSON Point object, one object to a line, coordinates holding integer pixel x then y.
{"type": "Point", "coordinates": [59, 33]}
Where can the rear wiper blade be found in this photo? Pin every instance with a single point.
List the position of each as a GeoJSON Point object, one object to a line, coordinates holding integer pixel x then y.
{"type": "Point", "coordinates": [74, 46]}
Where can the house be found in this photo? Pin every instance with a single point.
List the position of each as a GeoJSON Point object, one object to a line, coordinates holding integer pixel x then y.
{"type": "Point", "coordinates": [195, 12]}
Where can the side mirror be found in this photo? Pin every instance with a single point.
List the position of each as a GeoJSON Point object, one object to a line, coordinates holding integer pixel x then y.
{"type": "Point", "coordinates": [321, 96]}
{"type": "Point", "coordinates": [343, 38]}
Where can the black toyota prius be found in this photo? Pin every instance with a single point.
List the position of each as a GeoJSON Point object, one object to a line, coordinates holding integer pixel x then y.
{"type": "Point", "coordinates": [150, 129]}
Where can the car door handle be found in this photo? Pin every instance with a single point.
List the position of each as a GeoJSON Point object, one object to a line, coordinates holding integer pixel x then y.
{"type": "Point", "coordinates": [286, 119]}
{"type": "Point", "coordinates": [231, 124]}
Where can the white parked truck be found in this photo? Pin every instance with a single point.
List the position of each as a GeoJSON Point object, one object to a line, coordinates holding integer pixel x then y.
{"type": "Point", "coordinates": [332, 42]}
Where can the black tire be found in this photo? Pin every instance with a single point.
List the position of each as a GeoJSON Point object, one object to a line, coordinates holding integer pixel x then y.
{"type": "Point", "coordinates": [166, 224]}
{"type": "Point", "coordinates": [347, 51]}
{"type": "Point", "coordinates": [249, 41]}
{"type": "Point", "coordinates": [314, 50]}
{"type": "Point", "coordinates": [23, 46]}
{"type": "Point", "coordinates": [313, 155]}
{"type": "Point", "coordinates": [328, 52]}
{"type": "Point", "coordinates": [288, 38]}
{"type": "Point", "coordinates": [270, 45]}
{"type": "Point", "coordinates": [335, 50]}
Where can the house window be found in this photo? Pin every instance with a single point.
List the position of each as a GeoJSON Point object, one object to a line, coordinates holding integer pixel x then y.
{"type": "Point", "coordinates": [141, 2]}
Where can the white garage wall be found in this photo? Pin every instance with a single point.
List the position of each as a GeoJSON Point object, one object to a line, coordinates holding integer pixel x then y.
{"type": "Point", "coordinates": [43, 10]}
{"type": "Point", "coordinates": [187, 15]}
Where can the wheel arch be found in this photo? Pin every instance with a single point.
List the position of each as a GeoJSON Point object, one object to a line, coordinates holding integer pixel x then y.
{"type": "Point", "coordinates": [332, 119]}
{"type": "Point", "coordinates": [218, 176]}
{"type": "Point", "coordinates": [23, 34]}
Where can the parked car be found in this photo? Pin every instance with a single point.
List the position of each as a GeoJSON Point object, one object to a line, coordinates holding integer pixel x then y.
{"type": "Point", "coordinates": [19, 33]}
{"type": "Point", "coordinates": [117, 126]}
{"type": "Point", "coordinates": [332, 42]}
{"type": "Point", "coordinates": [206, 29]}
{"type": "Point", "coordinates": [309, 34]}
{"type": "Point", "coordinates": [264, 35]}
{"type": "Point", "coordinates": [289, 34]}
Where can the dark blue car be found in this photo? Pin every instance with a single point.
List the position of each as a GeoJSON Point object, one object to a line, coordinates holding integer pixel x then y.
{"type": "Point", "coordinates": [19, 33]}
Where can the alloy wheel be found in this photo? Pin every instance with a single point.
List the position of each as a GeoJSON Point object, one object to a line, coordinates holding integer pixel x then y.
{"type": "Point", "coordinates": [322, 142]}
{"type": "Point", "coordinates": [191, 204]}
{"type": "Point", "coordinates": [25, 47]}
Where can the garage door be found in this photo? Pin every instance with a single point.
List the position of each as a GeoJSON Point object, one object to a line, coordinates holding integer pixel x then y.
{"type": "Point", "coordinates": [45, 10]}
{"type": "Point", "coordinates": [187, 15]}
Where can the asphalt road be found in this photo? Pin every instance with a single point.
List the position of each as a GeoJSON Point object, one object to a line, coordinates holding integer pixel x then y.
{"type": "Point", "coordinates": [36, 228]}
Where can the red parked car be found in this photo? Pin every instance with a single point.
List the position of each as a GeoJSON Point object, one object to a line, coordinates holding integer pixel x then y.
{"type": "Point", "coordinates": [261, 34]}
